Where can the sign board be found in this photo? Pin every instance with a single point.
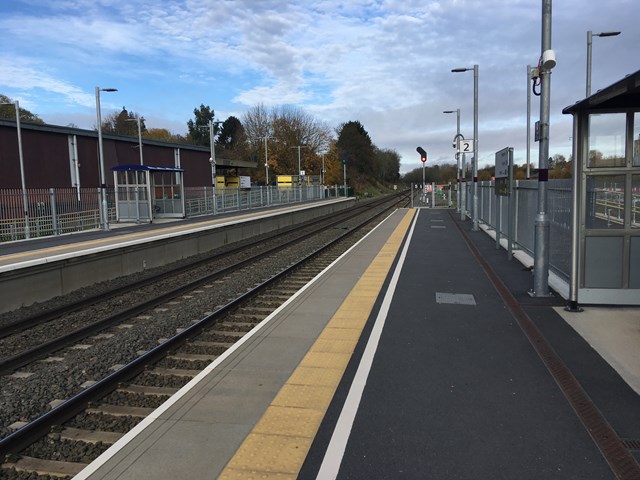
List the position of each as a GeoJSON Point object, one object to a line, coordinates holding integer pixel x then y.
{"type": "Point", "coordinates": [245, 182]}
{"type": "Point", "coordinates": [465, 146]}
{"type": "Point", "coordinates": [504, 164]}
{"type": "Point", "coordinates": [302, 173]}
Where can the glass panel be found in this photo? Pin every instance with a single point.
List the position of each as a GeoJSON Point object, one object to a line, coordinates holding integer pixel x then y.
{"type": "Point", "coordinates": [636, 139]}
{"type": "Point", "coordinates": [605, 201]}
{"type": "Point", "coordinates": [634, 263]}
{"type": "Point", "coordinates": [603, 262]}
{"type": "Point", "coordinates": [607, 140]}
{"type": "Point", "coordinates": [635, 201]}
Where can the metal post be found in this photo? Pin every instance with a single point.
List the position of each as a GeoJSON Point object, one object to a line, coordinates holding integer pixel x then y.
{"type": "Point", "coordinates": [475, 148]}
{"type": "Point", "coordinates": [344, 177]}
{"type": "Point", "coordinates": [212, 159]}
{"type": "Point", "coordinates": [575, 215]}
{"type": "Point", "coordinates": [140, 139]}
{"type": "Point", "coordinates": [54, 212]}
{"type": "Point", "coordinates": [528, 122]}
{"type": "Point", "coordinates": [424, 185]}
{"type": "Point", "coordinates": [590, 36]}
{"type": "Point", "coordinates": [25, 198]}
{"type": "Point", "coordinates": [511, 210]}
{"type": "Point", "coordinates": [542, 227]}
{"type": "Point", "coordinates": [459, 197]}
{"type": "Point", "coordinates": [589, 43]}
{"type": "Point", "coordinates": [103, 186]}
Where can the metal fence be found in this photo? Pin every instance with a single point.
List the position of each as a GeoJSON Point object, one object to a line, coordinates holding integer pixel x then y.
{"type": "Point", "coordinates": [65, 210]}
{"type": "Point", "coordinates": [495, 214]}
{"type": "Point", "coordinates": [525, 198]}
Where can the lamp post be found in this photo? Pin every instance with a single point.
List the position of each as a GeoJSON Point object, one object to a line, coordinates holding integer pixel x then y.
{"type": "Point", "coordinates": [529, 121]}
{"type": "Point", "coordinates": [590, 35]}
{"type": "Point", "coordinates": [266, 164]}
{"type": "Point", "coordinates": [25, 199]}
{"type": "Point", "coordinates": [300, 168]}
{"type": "Point", "coordinates": [139, 120]}
{"type": "Point", "coordinates": [459, 192]}
{"type": "Point", "coordinates": [212, 159]}
{"type": "Point", "coordinates": [542, 222]}
{"type": "Point", "coordinates": [475, 142]}
{"type": "Point", "coordinates": [104, 211]}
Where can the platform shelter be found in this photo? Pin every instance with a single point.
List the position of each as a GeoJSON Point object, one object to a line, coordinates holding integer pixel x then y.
{"type": "Point", "coordinates": [605, 264]}
{"type": "Point", "coordinates": [144, 193]}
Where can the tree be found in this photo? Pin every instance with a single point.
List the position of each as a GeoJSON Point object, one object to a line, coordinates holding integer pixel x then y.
{"type": "Point", "coordinates": [163, 135]}
{"type": "Point", "coordinates": [231, 134]}
{"type": "Point", "coordinates": [123, 123]}
{"type": "Point", "coordinates": [8, 112]}
{"type": "Point", "coordinates": [387, 165]}
{"type": "Point", "coordinates": [199, 128]}
{"type": "Point", "coordinates": [357, 150]}
{"type": "Point", "coordinates": [286, 127]}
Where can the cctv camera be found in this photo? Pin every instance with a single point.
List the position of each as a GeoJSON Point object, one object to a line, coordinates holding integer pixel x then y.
{"type": "Point", "coordinates": [210, 160]}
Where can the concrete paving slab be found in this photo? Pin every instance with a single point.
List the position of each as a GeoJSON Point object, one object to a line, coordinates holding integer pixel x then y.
{"type": "Point", "coordinates": [614, 333]}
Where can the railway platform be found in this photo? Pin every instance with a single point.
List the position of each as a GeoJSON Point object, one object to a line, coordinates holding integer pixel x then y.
{"type": "Point", "coordinates": [417, 354]}
{"type": "Point", "coordinates": [62, 264]}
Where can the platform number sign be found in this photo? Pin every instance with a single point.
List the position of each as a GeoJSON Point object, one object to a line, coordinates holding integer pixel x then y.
{"type": "Point", "coordinates": [465, 146]}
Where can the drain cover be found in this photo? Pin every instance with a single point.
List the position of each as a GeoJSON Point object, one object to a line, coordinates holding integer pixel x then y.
{"type": "Point", "coordinates": [455, 298]}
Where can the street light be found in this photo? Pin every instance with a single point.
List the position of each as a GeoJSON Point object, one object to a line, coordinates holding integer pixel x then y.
{"type": "Point", "coordinates": [475, 142]}
{"type": "Point", "coordinates": [139, 121]}
{"type": "Point", "coordinates": [300, 168]}
{"type": "Point", "coordinates": [104, 212]}
{"type": "Point", "coordinates": [589, 41]}
{"type": "Point", "coordinates": [266, 164]}
{"type": "Point", "coordinates": [25, 200]}
{"type": "Point", "coordinates": [459, 175]}
{"type": "Point", "coordinates": [212, 159]}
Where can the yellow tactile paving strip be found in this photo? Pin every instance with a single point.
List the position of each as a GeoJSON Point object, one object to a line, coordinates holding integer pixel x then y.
{"type": "Point", "coordinates": [278, 444]}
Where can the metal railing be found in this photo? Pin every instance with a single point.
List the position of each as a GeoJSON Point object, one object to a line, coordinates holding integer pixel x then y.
{"type": "Point", "coordinates": [525, 196]}
{"type": "Point", "coordinates": [57, 211]}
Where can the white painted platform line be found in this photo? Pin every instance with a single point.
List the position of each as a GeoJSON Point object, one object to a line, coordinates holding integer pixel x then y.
{"type": "Point", "coordinates": [338, 443]}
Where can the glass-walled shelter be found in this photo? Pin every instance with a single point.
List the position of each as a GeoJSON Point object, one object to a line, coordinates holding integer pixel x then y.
{"type": "Point", "coordinates": [606, 188]}
{"type": "Point", "coordinates": [144, 193]}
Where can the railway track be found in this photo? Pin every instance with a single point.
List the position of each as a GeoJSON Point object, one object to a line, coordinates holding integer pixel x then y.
{"type": "Point", "coordinates": [23, 347]}
{"type": "Point", "coordinates": [68, 436]}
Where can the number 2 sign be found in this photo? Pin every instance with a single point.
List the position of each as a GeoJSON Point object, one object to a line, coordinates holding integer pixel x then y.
{"type": "Point", "coordinates": [465, 146]}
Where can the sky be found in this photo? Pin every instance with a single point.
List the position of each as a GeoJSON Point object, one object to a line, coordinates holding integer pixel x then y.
{"type": "Point", "coordinates": [384, 63]}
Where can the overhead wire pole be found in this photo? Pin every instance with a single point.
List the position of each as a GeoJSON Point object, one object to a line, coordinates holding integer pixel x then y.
{"type": "Point", "coordinates": [542, 225]}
